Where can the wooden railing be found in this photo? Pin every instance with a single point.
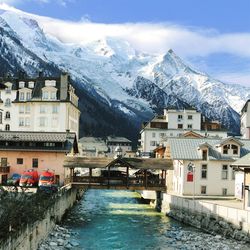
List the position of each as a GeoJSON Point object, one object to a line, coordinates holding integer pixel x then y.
{"type": "Point", "coordinates": [118, 181]}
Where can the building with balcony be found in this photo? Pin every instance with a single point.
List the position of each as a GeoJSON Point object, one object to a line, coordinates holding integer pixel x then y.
{"type": "Point", "coordinates": [47, 104]}
{"type": "Point", "coordinates": [113, 142]}
{"type": "Point", "coordinates": [177, 123]}
{"type": "Point", "coordinates": [20, 151]}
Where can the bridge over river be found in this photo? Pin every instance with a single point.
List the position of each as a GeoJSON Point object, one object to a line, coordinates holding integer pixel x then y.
{"type": "Point", "coordinates": [119, 173]}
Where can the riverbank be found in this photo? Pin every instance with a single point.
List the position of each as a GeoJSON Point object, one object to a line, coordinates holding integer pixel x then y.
{"type": "Point", "coordinates": [208, 216]}
{"type": "Point", "coordinates": [108, 219]}
{"type": "Point", "coordinates": [29, 235]}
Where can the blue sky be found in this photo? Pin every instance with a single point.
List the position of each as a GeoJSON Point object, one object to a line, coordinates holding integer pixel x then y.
{"type": "Point", "coordinates": [213, 35]}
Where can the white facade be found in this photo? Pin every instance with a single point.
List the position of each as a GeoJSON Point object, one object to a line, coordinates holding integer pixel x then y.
{"type": "Point", "coordinates": [209, 178]}
{"type": "Point", "coordinates": [21, 110]}
{"type": "Point", "coordinates": [202, 166]}
{"type": "Point", "coordinates": [183, 119]}
{"type": "Point", "coordinates": [174, 123]}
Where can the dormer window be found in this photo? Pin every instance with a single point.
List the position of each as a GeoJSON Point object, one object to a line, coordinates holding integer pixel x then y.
{"type": "Point", "coordinates": [7, 102]}
{"type": "Point", "coordinates": [21, 84]}
{"type": "Point", "coordinates": [45, 95]}
{"type": "Point", "coordinates": [21, 97]}
{"type": "Point", "coordinates": [31, 85]}
{"type": "Point", "coordinates": [53, 95]}
{"type": "Point", "coordinates": [235, 149]}
{"type": "Point", "coordinates": [204, 155]}
{"type": "Point", "coordinates": [225, 149]}
{"type": "Point", "coordinates": [28, 96]}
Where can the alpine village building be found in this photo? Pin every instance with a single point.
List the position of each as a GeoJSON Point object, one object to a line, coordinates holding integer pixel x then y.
{"type": "Point", "coordinates": [39, 124]}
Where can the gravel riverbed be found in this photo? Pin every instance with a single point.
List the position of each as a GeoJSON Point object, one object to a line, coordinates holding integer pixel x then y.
{"type": "Point", "coordinates": [61, 238]}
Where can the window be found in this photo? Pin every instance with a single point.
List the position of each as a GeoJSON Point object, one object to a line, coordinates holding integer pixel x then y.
{"type": "Point", "coordinates": [152, 143]}
{"type": "Point", "coordinates": [21, 97]}
{"type": "Point", "coordinates": [235, 149]}
{"type": "Point", "coordinates": [203, 189]}
{"type": "Point", "coordinates": [4, 162]}
{"type": "Point", "coordinates": [180, 125]}
{"type": "Point", "coordinates": [21, 122]}
{"type": "Point", "coordinates": [204, 155]}
{"type": "Point", "coordinates": [45, 95]}
{"type": "Point", "coordinates": [53, 95]}
{"type": "Point", "coordinates": [42, 109]}
{"type": "Point", "coordinates": [7, 115]}
{"type": "Point", "coordinates": [19, 161]}
{"type": "Point", "coordinates": [34, 163]}
{"type": "Point", "coordinates": [7, 102]}
{"type": "Point", "coordinates": [190, 117]}
{"type": "Point", "coordinates": [54, 109]}
{"type": "Point", "coordinates": [225, 149]}
{"type": "Point", "coordinates": [224, 191]}
{"type": "Point", "coordinates": [1, 117]}
{"type": "Point", "coordinates": [224, 172]}
{"type": "Point", "coordinates": [179, 117]}
{"type": "Point", "coordinates": [204, 172]}
{"type": "Point", "coordinates": [31, 85]}
{"type": "Point", "coordinates": [7, 127]}
{"type": "Point", "coordinates": [27, 109]}
{"type": "Point", "coordinates": [162, 135]}
{"type": "Point", "coordinates": [42, 122]}
{"type": "Point", "coordinates": [233, 174]}
{"type": "Point", "coordinates": [153, 135]}
{"type": "Point", "coordinates": [28, 96]}
{"type": "Point", "coordinates": [21, 84]}
{"type": "Point", "coordinates": [27, 122]}
{"type": "Point", "coordinates": [54, 122]}
{"type": "Point", "coordinates": [190, 126]}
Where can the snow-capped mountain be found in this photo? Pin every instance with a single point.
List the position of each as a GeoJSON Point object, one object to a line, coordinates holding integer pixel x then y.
{"type": "Point", "coordinates": [116, 84]}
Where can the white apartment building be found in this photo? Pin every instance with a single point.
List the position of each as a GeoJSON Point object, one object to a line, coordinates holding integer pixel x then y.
{"type": "Point", "coordinates": [208, 162]}
{"type": "Point", "coordinates": [175, 123]}
{"type": "Point", "coordinates": [245, 121]}
{"type": "Point", "coordinates": [113, 142]}
{"type": "Point", "coordinates": [46, 104]}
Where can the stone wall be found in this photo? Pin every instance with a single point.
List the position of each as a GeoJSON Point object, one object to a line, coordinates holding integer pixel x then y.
{"type": "Point", "coordinates": [212, 218]}
{"type": "Point", "coordinates": [30, 236]}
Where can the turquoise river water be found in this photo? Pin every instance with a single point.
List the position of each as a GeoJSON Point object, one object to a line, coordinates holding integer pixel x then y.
{"type": "Point", "coordinates": [109, 219]}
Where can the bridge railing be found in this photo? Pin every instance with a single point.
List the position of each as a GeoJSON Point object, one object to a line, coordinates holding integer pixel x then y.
{"type": "Point", "coordinates": [118, 181]}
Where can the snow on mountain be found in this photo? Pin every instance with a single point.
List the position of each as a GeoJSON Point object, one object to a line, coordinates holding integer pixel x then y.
{"type": "Point", "coordinates": [128, 81]}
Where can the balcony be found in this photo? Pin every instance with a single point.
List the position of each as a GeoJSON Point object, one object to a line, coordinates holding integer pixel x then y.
{"type": "Point", "coordinates": [5, 170]}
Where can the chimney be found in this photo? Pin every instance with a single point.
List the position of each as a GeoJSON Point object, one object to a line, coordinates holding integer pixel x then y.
{"type": "Point", "coordinates": [64, 86]}
{"type": "Point", "coordinates": [40, 74]}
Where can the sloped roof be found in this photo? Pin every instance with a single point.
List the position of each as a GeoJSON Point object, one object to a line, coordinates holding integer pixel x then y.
{"type": "Point", "coordinates": [36, 136]}
{"type": "Point", "coordinates": [103, 162]}
{"type": "Point", "coordinates": [243, 162]}
{"type": "Point", "coordinates": [187, 148]}
{"type": "Point", "coordinates": [117, 139]}
{"type": "Point", "coordinates": [93, 144]}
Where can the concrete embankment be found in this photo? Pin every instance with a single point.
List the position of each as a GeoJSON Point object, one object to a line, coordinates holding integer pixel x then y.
{"type": "Point", "coordinates": [30, 235]}
{"type": "Point", "coordinates": [210, 217]}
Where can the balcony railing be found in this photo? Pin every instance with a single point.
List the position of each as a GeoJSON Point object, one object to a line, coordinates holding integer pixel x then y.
{"type": "Point", "coordinates": [5, 169]}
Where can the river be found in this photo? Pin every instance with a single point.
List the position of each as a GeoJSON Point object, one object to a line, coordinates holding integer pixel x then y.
{"type": "Point", "coordinates": [109, 219]}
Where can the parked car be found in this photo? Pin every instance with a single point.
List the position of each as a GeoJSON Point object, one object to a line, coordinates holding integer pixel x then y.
{"type": "Point", "coordinates": [47, 181]}
{"type": "Point", "coordinates": [29, 178]}
{"type": "Point", "coordinates": [14, 180]}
